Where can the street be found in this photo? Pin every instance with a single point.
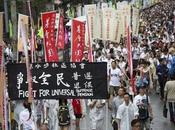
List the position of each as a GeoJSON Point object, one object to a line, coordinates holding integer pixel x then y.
{"type": "Point", "coordinates": [158, 123]}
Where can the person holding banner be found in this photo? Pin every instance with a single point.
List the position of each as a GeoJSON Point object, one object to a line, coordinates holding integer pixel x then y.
{"type": "Point", "coordinates": [96, 114]}
{"type": "Point", "coordinates": [26, 117]}
{"type": "Point", "coordinates": [65, 114]}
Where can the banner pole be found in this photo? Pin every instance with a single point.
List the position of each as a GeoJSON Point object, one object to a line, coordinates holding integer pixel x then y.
{"type": "Point", "coordinates": [106, 116]}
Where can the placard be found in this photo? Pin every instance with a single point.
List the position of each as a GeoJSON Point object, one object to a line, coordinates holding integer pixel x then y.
{"type": "Point", "coordinates": [59, 80]}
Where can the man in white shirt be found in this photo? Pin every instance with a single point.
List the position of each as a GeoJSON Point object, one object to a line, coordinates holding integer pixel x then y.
{"type": "Point", "coordinates": [143, 102]}
{"type": "Point", "coordinates": [126, 113]}
{"type": "Point", "coordinates": [96, 114]}
{"type": "Point", "coordinates": [115, 77]}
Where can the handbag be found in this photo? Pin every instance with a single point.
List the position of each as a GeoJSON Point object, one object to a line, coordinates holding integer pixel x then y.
{"type": "Point", "coordinates": [165, 110]}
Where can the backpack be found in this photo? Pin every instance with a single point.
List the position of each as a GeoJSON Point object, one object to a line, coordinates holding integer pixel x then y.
{"type": "Point", "coordinates": [63, 116]}
{"type": "Point", "coordinates": [143, 110]}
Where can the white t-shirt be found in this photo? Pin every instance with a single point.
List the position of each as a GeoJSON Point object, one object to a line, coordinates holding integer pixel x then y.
{"type": "Point", "coordinates": [28, 124]}
{"type": "Point", "coordinates": [115, 77]}
{"type": "Point", "coordinates": [140, 100]}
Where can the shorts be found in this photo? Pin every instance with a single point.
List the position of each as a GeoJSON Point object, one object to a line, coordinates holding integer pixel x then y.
{"type": "Point", "coordinates": [78, 116]}
{"type": "Point", "coordinates": [113, 90]}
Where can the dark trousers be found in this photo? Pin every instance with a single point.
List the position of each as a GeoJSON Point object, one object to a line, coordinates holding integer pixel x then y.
{"type": "Point", "coordinates": [115, 125]}
{"type": "Point", "coordinates": [162, 86]}
{"type": "Point", "coordinates": [172, 111]}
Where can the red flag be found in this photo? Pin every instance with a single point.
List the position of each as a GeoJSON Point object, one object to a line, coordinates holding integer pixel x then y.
{"type": "Point", "coordinates": [78, 40]}
{"type": "Point", "coordinates": [48, 23]}
{"type": "Point", "coordinates": [61, 34]}
{"type": "Point", "coordinates": [130, 61]}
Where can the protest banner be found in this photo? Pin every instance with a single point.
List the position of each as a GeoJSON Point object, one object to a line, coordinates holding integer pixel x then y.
{"type": "Point", "coordinates": [25, 20]}
{"type": "Point", "coordinates": [116, 26]}
{"type": "Point", "coordinates": [99, 24]}
{"type": "Point", "coordinates": [108, 21]}
{"type": "Point", "coordinates": [78, 40]}
{"type": "Point", "coordinates": [90, 12]}
{"type": "Point", "coordinates": [59, 80]}
{"type": "Point", "coordinates": [1, 26]}
{"type": "Point", "coordinates": [135, 21]}
{"type": "Point", "coordinates": [48, 24]}
{"type": "Point", "coordinates": [60, 39]}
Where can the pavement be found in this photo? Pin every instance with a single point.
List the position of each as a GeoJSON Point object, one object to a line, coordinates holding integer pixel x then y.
{"type": "Point", "coordinates": [159, 122]}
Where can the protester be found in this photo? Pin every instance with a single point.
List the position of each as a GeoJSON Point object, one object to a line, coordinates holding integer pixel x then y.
{"type": "Point", "coordinates": [116, 102]}
{"type": "Point", "coordinates": [26, 117]}
{"type": "Point", "coordinates": [162, 72]}
{"type": "Point", "coordinates": [136, 124]}
{"type": "Point", "coordinates": [142, 101]}
{"type": "Point", "coordinates": [115, 77]}
{"type": "Point", "coordinates": [65, 114]}
{"type": "Point", "coordinates": [126, 113]}
{"type": "Point", "coordinates": [170, 97]}
{"type": "Point", "coordinates": [79, 108]}
{"type": "Point", "coordinates": [96, 114]}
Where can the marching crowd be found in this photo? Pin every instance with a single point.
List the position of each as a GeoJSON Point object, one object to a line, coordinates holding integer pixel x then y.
{"type": "Point", "coordinates": [153, 54]}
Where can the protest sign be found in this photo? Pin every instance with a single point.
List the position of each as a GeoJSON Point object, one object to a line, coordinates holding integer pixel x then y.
{"type": "Point", "coordinates": [59, 80]}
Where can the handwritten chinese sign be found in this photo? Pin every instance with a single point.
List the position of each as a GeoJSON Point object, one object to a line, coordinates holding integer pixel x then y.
{"type": "Point", "coordinates": [48, 22]}
{"type": "Point", "coordinates": [59, 80]}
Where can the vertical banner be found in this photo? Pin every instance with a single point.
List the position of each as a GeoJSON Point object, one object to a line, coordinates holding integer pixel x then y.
{"type": "Point", "coordinates": [29, 75]}
{"type": "Point", "coordinates": [116, 26]}
{"type": "Point", "coordinates": [90, 12]}
{"type": "Point", "coordinates": [108, 21]}
{"type": "Point", "coordinates": [99, 24]}
{"type": "Point", "coordinates": [48, 23]}
{"type": "Point", "coordinates": [130, 59]}
{"type": "Point", "coordinates": [25, 20]}
{"type": "Point", "coordinates": [135, 21]}
{"type": "Point", "coordinates": [78, 40]}
{"type": "Point", "coordinates": [1, 26]}
{"type": "Point", "coordinates": [60, 34]}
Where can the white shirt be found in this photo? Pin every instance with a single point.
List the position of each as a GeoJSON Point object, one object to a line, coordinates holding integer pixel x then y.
{"type": "Point", "coordinates": [115, 77]}
{"type": "Point", "coordinates": [126, 114]}
{"type": "Point", "coordinates": [28, 124]}
{"type": "Point", "coordinates": [140, 100]}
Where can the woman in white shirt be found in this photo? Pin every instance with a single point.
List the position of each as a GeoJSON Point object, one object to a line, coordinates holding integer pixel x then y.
{"type": "Point", "coordinates": [26, 117]}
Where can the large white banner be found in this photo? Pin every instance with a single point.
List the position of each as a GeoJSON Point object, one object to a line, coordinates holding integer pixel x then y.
{"type": "Point", "coordinates": [90, 12]}
{"type": "Point", "coordinates": [22, 19]}
{"type": "Point", "coordinates": [99, 24]}
{"type": "Point", "coordinates": [108, 21]}
{"type": "Point", "coordinates": [135, 21]}
{"type": "Point", "coordinates": [116, 26]}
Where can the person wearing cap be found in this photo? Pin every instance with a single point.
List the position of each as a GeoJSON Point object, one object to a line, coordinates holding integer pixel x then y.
{"type": "Point", "coordinates": [142, 101]}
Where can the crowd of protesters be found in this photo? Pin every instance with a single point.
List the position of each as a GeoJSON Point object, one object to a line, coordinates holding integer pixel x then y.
{"type": "Point", "coordinates": [154, 71]}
